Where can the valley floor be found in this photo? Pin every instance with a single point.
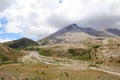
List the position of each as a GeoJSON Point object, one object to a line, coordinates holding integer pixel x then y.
{"type": "Point", "coordinates": [36, 67]}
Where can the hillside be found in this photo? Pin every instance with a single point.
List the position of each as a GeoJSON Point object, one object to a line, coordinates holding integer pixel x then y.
{"type": "Point", "coordinates": [107, 54]}
{"type": "Point", "coordinates": [8, 54]}
{"type": "Point", "coordinates": [21, 43]}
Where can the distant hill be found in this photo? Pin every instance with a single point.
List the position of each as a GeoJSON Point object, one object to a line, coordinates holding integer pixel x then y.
{"type": "Point", "coordinates": [21, 43]}
{"type": "Point", "coordinates": [73, 34]}
{"type": "Point", "coordinates": [8, 54]}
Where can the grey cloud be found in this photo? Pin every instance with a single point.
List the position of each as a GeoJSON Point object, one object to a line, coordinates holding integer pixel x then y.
{"type": "Point", "coordinates": [104, 21]}
{"type": "Point", "coordinates": [4, 4]}
{"type": "Point", "coordinates": [96, 21]}
{"type": "Point", "coordinates": [101, 19]}
{"type": "Point", "coordinates": [59, 21]}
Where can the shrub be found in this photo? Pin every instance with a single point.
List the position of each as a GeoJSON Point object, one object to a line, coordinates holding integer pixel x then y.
{"type": "Point", "coordinates": [79, 53]}
{"type": "Point", "coordinates": [118, 61]}
{"type": "Point", "coordinates": [43, 72]}
{"type": "Point", "coordinates": [44, 52]}
{"type": "Point", "coordinates": [66, 74]}
{"type": "Point", "coordinates": [33, 49]}
{"type": "Point", "coordinates": [2, 78]}
{"type": "Point", "coordinates": [84, 58]}
{"type": "Point", "coordinates": [4, 58]}
{"type": "Point", "coordinates": [93, 65]}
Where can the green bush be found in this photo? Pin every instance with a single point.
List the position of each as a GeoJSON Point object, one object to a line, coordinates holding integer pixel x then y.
{"type": "Point", "coordinates": [44, 52]}
{"type": "Point", "coordinates": [7, 62]}
{"type": "Point", "coordinates": [4, 58]}
{"type": "Point", "coordinates": [84, 58]}
{"type": "Point", "coordinates": [33, 49]}
{"type": "Point", "coordinates": [93, 65]}
{"type": "Point", "coordinates": [79, 53]}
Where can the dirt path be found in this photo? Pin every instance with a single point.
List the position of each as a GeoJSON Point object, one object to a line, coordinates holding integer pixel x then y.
{"type": "Point", "coordinates": [110, 72]}
{"type": "Point", "coordinates": [65, 63]}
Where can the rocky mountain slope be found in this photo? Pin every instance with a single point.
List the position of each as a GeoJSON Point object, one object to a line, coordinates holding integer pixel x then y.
{"type": "Point", "coordinates": [21, 43]}
{"type": "Point", "coordinates": [75, 34]}
{"type": "Point", "coordinates": [114, 31]}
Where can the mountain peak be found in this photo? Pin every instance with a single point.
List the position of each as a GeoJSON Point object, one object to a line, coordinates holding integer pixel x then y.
{"type": "Point", "coordinates": [72, 26]}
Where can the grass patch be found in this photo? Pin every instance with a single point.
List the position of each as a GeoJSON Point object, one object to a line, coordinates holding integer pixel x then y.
{"type": "Point", "coordinates": [53, 72]}
{"type": "Point", "coordinates": [41, 51]}
{"type": "Point", "coordinates": [84, 58]}
{"type": "Point", "coordinates": [93, 65]}
{"type": "Point", "coordinates": [44, 52]}
{"type": "Point", "coordinates": [81, 54]}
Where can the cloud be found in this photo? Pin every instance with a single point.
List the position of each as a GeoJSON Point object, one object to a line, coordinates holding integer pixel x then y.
{"type": "Point", "coordinates": [5, 40]}
{"type": "Point", "coordinates": [5, 4]}
{"type": "Point", "coordinates": [104, 21]}
{"type": "Point", "coordinates": [39, 18]}
{"type": "Point", "coordinates": [92, 13]}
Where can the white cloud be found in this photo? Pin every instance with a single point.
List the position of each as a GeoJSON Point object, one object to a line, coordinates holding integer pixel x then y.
{"type": "Point", "coordinates": [0, 25]}
{"type": "Point", "coordinates": [5, 40]}
{"type": "Point", "coordinates": [39, 18]}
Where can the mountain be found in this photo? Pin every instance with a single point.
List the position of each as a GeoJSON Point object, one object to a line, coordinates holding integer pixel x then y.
{"type": "Point", "coordinates": [73, 34]}
{"type": "Point", "coordinates": [75, 28]}
{"type": "Point", "coordinates": [8, 54]}
{"type": "Point", "coordinates": [21, 43]}
{"type": "Point", "coordinates": [95, 33]}
{"type": "Point", "coordinates": [114, 31]}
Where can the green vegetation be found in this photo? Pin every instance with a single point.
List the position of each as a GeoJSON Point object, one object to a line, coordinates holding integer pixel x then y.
{"type": "Point", "coordinates": [80, 54]}
{"type": "Point", "coordinates": [2, 78]}
{"type": "Point", "coordinates": [99, 62]}
{"type": "Point", "coordinates": [84, 58]}
{"type": "Point", "coordinates": [41, 51]}
{"type": "Point", "coordinates": [4, 58]}
{"type": "Point", "coordinates": [77, 52]}
{"type": "Point", "coordinates": [21, 43]}
{"type": "Point", "coordinates": [32, 49]}
{"type": "Point", "coordinates": [7, 62]}
{"type": "Point", "coordinates": [93, 65]}
{"type": "Point", "coordinates": [44, 52]}
{"type": "Point", "coordinates": [95, 47]}
{"type": "Point", "coordinates": [8, 55]}
{"type": "Point", "coordinates": [118, 61]}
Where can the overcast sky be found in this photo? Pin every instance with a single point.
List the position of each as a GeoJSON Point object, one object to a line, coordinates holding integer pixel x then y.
{"type": "Point", "coordinates": [39, 18]}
